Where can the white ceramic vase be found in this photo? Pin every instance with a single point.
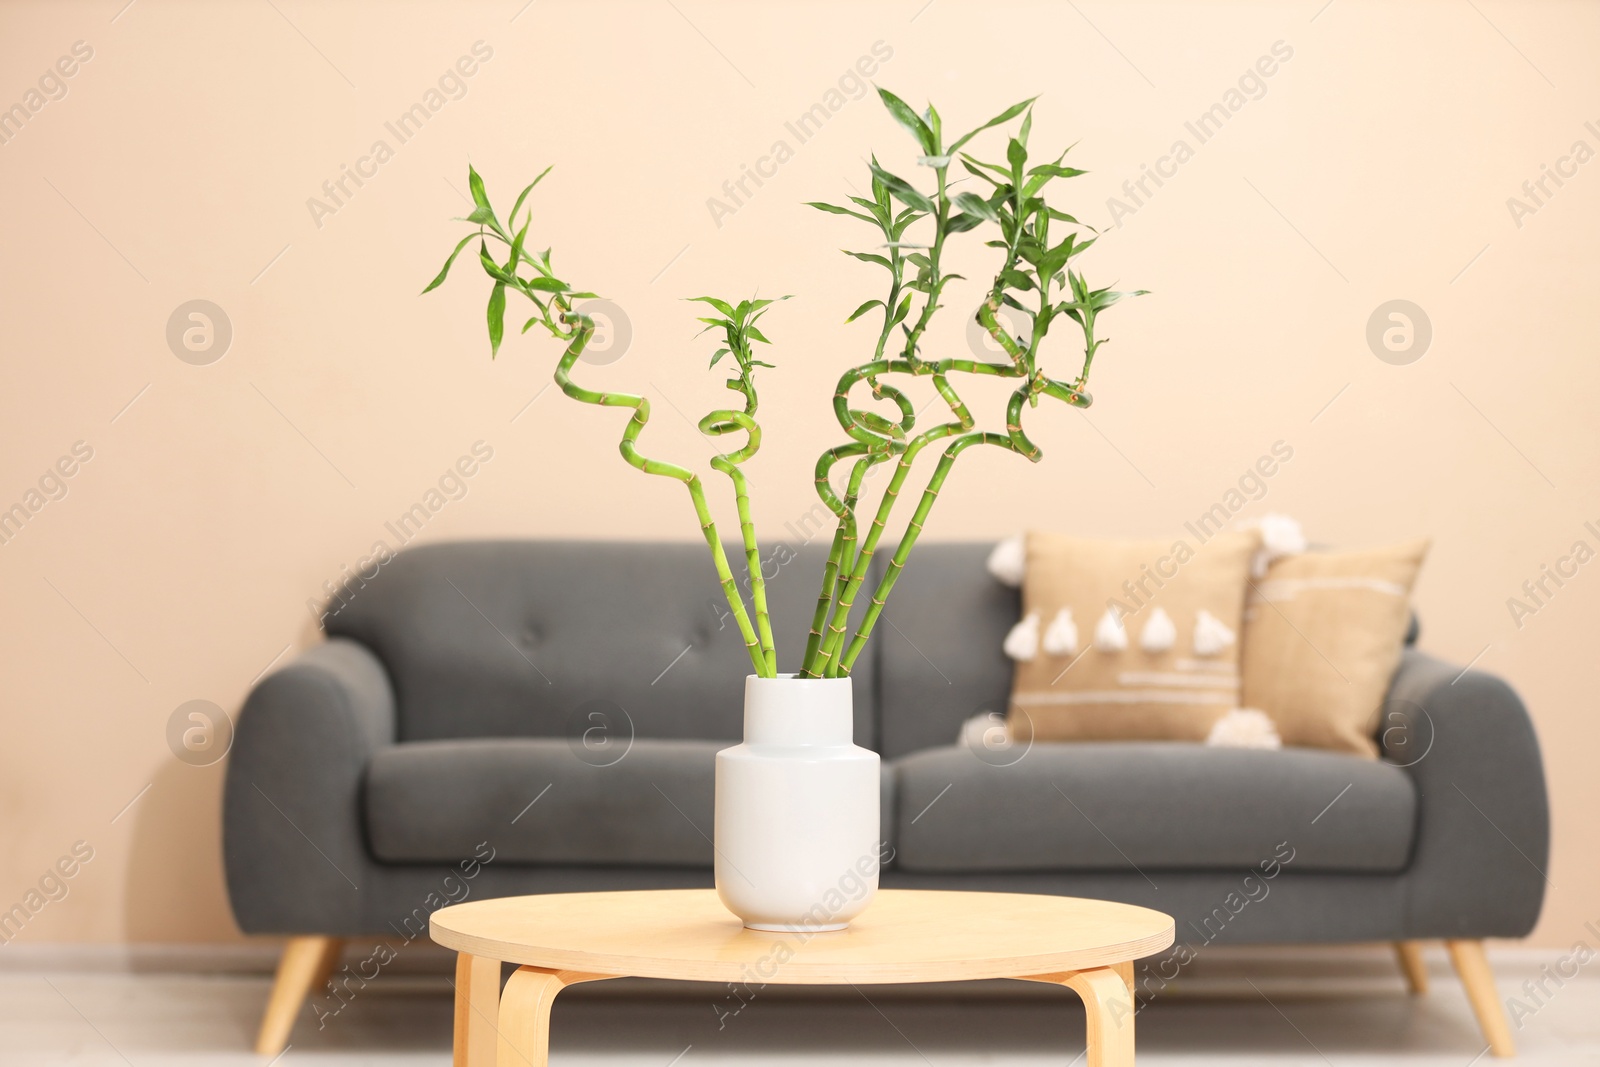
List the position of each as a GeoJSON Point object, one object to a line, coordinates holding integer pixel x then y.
{"type": "Point", "coordinates": [797, 842]}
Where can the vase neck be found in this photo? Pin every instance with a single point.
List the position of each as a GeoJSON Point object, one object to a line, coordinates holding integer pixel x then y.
{"type": "Point", "coordinates": [797, 711]}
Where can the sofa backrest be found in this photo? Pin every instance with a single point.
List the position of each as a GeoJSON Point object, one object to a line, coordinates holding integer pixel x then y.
{"type": "Point", "coordinates": [528, 638]}
{"type": "Point", "coordinates": [940, 659]}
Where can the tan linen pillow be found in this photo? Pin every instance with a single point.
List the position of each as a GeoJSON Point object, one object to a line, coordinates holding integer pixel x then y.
{"type": "Point", "coordinates": [1323, 633]}
{"type": "Point", "coordinates": [1137, 692]}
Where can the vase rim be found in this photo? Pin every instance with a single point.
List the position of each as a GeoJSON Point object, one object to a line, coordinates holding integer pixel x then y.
{"type": "Point", "coordinates": [791, 676]}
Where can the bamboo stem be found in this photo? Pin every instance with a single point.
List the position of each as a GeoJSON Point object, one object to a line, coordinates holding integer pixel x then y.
{"type": "Point", "coordinates": [810, 667]}
{"type": "Point", "coordinates": [582, 330]}
{"type": "Point", "coordinates": [874, 438]}
{"type": "Point", "coordinates": [840, 557]}
{"type": "Point", "coordinates": [716, 424]}
{"type": "Point", "coordinates": [1015, 440]}
{"type": "Point", "coordinates": [752, 548]}
{"type": "Point", "coordinates": [833, 640]}
{"type": "Point", "coordinates": [913, 531]}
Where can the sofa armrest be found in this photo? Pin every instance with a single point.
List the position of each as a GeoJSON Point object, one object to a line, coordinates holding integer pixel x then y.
{"type": "Point", "coordinates": [1483, 835]}
{"type": "Point", "coordinates": [293, 845]}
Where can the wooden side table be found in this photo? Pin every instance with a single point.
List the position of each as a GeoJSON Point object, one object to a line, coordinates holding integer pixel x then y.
{"type": "Point", "coordinates": [561, 939]}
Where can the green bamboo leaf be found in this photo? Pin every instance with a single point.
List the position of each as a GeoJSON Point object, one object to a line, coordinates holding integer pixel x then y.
{"type": "Point", "coordinates": [908, 118]}
{"type": "Point", "coordinates": [721, 305]}
{"type": "Point", "coordinates": [976, 173]}
{"type": "Point", "coordinates": [834, 209]}
{"type": "Point", "coordinates": [1016, 155]}
{"type": "Point", "coordinates": [756, 335]}
{"type": "Point", "coordinates": [546, 285]}
{"type": "Point", "coordinates": [974, 204]}
{"type": "Point", "coordinates": [524, 194]}
{"type": "Point", "coordinates": [868, 257]}
{"type": "Point", "coordinates": [863, 309]}
{"type": "Point", "coordinates": [1055, 170]}
{"type": "Point", "coordinates": [516, 248]}
{"type": "Point", "coordinates": [963, 222]}
{"type": "Point", "coordinates": [902, 311]}
{"type": "Point", "coordinates": [492, 268]}
{"type": "Point", "coordinates": [481, 216]}
{"type": "Point", "coordinates": [497, 317]}
{"type": "Point", "coordinates": [445, 270]}
{"type": "Point", "coordinates": [903, 191]}
{"type": "Point", "coordinates": [475, 183]}
{"type": "Point", "coordinates": [1104, 299]}
{"type": "Point", "coordinates": [1041, 174]}
{"type": "Point", "coordinates": [1005, 116]}
{"type": "Point", "coordinates": [971, 163]}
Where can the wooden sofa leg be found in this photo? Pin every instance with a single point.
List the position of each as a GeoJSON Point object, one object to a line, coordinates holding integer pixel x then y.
{"type": "Point", "coordinates": [1412, 966]}
{"type": "Point", "coordinates": [306, 962]}
{"type": "Point", "coordinates": [1473, 968]}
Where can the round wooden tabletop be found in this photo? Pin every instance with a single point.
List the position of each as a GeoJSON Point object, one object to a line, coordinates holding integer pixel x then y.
{"type": "Point", "coordinates": [905, 935]}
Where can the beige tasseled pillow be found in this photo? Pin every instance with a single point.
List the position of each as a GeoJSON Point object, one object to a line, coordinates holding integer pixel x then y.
{"type": "Point", "coordinates": [1323, 632]}
{"type": "Point", "coordinates": [1174, 609]}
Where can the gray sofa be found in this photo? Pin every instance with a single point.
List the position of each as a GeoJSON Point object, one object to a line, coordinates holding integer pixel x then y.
{"type": "Point", "coordinates": [493, 718]}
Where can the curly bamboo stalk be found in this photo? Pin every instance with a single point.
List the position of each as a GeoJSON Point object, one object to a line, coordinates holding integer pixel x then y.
{"type": "Point", "coordinates": [582, 330]}
{"type": "Point", "coordinates": [844, 596]}
{"type": "Point", "coordinates": [908, 419]}
{"type": "Point", "coordinates": [876, 439]}
{"type": "Point", "coordinates": [1015, 440]}
{"type": "Point", "coordinates": [833, 640]}
{"type": "Point", "coordinates": [913, 531]}
{"type": "Point", "coordinates": [716, 424]}
{"type": "Point", "coordinates": [843, 534]}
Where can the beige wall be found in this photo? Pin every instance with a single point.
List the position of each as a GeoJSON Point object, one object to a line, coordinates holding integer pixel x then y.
{"type": "Point", "coordinates": [1376, 165]}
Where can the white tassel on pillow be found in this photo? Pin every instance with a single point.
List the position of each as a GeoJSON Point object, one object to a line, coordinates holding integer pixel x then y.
{"type": "Point", "coordinates": [1022, 643]}
{"type": "Point", "coordinates": [1280, 536]}
{"type": "Point", "coordinates": [1244, 728]}
{"type": "Point", "coordinates": [1109, 633]}
{"type": "Point", "coordinates": [1061, 636]}
{"type": "Point", "coordinates": [986, 731]}
{"type": "Point", "coordinates": [1008, 562]}
{"type": "Point", "coordinates": [1160, 633]}
{"type": "Point", "coordinates": [1211, 634]}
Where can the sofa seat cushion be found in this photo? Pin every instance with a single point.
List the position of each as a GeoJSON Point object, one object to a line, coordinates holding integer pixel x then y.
{"type": "Point", "coordinates": [1151, 806]}
{"type": "Point", "coordinates": [434, 801]}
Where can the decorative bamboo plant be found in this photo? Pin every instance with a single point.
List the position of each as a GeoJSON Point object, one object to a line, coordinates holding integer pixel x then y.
{"type": "Point", "coordinates": [1035, 277]}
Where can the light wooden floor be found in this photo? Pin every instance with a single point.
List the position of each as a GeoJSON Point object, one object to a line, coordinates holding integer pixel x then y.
{"type": "Point", "coordinates": [1223, 1014]}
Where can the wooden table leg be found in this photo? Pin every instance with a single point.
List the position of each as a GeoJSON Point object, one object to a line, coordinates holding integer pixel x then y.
{"type": "Point", "coordinates": [477, 1010]}
{"type": "Point", "coordinates": [1108, 1007]}
{"type": "Point", "coordinates": [525, 1014]}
